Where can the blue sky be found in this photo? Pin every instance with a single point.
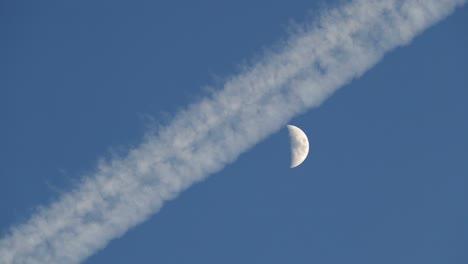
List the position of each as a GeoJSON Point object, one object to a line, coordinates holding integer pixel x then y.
{"type": "Point", "coordinates": [385, 180]}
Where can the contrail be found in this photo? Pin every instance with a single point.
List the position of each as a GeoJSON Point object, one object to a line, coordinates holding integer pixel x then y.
{"type": "Point", "coordinates": [201, 139]}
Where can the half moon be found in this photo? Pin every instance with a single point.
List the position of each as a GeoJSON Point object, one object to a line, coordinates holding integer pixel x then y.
{"type": "Point", "coordinates": [299, 145]}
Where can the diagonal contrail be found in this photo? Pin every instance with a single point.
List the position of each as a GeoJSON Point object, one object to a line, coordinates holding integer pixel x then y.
{"type": "Point", "coordinates": [310, 66]}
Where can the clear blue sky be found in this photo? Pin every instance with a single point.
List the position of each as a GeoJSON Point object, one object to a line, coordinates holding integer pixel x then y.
{"type": "Point", "coordinates": [387, 174]}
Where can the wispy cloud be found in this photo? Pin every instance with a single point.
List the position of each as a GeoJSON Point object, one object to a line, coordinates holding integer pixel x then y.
{"type": "Point", "coordinates": [339, 46]}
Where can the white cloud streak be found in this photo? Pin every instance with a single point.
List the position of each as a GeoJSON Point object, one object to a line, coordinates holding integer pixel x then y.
{"type": "Point", "coordinates": [339, 46]}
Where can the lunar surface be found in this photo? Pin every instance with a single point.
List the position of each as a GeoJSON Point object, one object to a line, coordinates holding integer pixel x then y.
{"type": "Point", "coordinates": [299, 145]}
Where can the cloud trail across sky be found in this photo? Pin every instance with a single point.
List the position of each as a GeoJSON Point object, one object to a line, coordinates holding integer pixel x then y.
{"type": "Point", "coordinates": [201, 139]}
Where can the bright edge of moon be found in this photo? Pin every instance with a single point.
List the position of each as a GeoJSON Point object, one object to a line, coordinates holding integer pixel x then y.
{"type": "Point", "coordinates": [299, 145]}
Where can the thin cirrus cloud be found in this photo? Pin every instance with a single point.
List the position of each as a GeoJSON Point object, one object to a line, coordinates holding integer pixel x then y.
{"type": "Point", "coordinates": [201, 139]}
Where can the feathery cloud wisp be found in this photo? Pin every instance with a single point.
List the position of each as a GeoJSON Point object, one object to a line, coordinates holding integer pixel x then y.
{"type": "Point", "coordinates": [200, 140]}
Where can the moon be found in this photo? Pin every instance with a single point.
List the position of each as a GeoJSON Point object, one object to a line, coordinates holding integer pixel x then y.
{"type": "Point", "coordinates": [299, 145]}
